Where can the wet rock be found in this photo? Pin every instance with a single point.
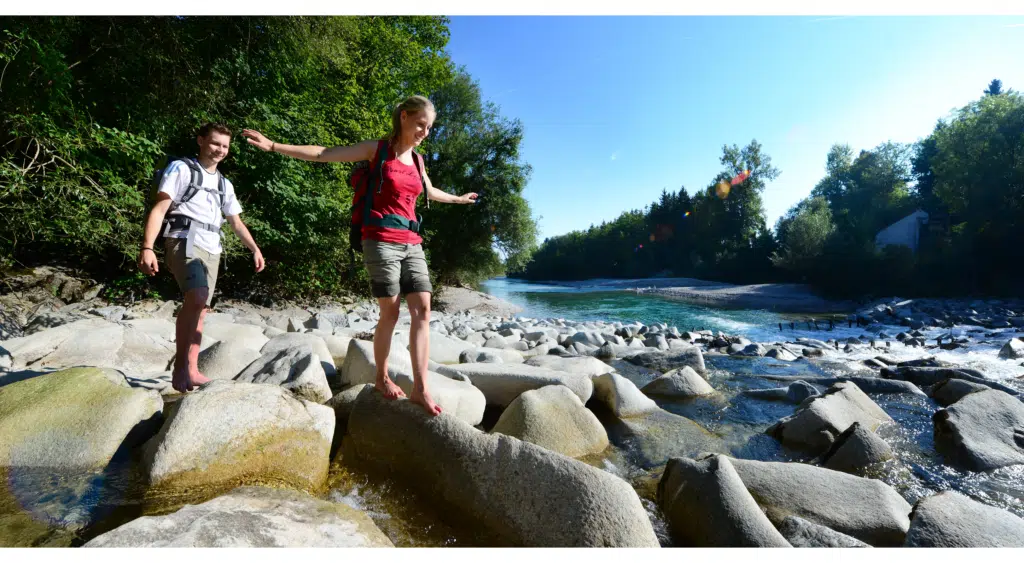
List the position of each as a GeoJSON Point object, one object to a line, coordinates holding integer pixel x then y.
{"type": "Point", "coordinates": [949, 519]}
{"type": "Point", "coordinates": [982, 431]}
{"type": "Point", "coordinates": [706, 505]}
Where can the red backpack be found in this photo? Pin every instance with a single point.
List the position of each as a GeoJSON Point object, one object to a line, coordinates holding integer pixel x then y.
{"type": "Point", "coordinates": [365, 176]}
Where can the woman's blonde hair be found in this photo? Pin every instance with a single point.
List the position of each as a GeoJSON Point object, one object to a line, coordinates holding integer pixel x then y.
{"type": "Point", "coordinates": [412, 105]}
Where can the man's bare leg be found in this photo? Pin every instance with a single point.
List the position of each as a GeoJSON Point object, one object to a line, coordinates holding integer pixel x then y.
{"type": "Point", "coordinates": [389, 308]}
{"type": "Point", "coordinates": [419, 347]}
{"type": "Point", "coordinates": [188, 336]}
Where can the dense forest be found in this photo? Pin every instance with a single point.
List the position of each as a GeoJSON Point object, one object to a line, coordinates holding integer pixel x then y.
{"type": "Point", "coordinates": [91, 108]}
{"type": "Point", "coordinates": [968, 175]}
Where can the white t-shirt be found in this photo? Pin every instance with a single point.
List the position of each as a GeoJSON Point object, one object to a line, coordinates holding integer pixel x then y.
{"type": "Point", "coordinates": [202, 207]}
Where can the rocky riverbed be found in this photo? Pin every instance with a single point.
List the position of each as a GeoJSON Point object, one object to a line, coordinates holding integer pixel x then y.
{"type": "Point", "coordinates": [906, 430]}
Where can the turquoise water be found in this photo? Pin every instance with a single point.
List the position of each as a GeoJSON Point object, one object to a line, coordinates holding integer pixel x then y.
{"type": "Point", "coordinates": [598, 302]}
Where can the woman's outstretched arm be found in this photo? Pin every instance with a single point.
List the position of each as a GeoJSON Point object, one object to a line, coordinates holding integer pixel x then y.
{"type": "Point", "coordinates": [444, 197]}
{"type": "Point", "coordinates": [315, 153]}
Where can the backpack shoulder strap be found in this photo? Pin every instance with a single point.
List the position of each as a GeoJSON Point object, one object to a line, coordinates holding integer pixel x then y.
{"type": "Point", "coordinates": [195, 183]}
{"type": "Point", "coordinates": [418, 159]}
{"type": "Point", "coordinates": [222, 189]}
{"type": "Point", "coordinates": [377, 172]}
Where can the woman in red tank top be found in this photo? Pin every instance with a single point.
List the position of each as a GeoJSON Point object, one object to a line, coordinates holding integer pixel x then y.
{"type": "Point", "coordinates": [392, 248]}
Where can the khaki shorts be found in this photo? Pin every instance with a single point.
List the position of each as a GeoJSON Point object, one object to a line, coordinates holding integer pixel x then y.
{"type": "Point", "coordinates": [191, 273]}
{"type": "Point", "coordinates": [395, 268]}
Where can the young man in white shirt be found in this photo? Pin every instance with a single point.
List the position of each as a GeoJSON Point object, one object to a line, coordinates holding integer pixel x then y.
{"type": "Point", "coordinates": [191, 204]}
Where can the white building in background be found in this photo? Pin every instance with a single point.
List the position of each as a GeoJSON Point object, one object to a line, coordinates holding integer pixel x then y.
{"type": "Point", "coordinates": [906, 231]}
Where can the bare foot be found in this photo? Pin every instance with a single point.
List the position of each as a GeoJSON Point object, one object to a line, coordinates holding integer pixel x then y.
{"type": "Point", "coordinates": [197, 379]}
{"type": "Point", "coordinates": [180, 381]}
{"type": "Point", "coordinates": [423, 399]}
{"type": "Point", "coordinates": [388, 388]}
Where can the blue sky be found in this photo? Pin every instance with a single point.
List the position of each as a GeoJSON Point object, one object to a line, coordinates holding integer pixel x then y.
{"type": "Point", "coordinates": [616, 109]}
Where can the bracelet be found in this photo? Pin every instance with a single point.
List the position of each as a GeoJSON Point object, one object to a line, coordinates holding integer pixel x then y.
{"type": "Point", "coordinates": [149, 249]}
{"type": "Point", "coordinates": [272, 144]}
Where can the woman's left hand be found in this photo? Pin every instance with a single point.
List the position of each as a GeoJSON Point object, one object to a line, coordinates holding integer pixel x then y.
{"type": "Point", "coordinates": [468, 198]}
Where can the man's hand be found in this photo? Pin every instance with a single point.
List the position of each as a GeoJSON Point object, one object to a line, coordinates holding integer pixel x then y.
{"type": "Point", "coordinates": [257, 258]}
{"type": "Point", "coordinates": [147, 262]}
{"type": "Point", "coordinates": [468, 198]}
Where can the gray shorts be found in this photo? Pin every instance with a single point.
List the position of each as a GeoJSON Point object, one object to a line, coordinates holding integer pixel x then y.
{"type": "Point", "coordinates": [395, 268]}
{"type": "Point", "coordinates": [191, 273]}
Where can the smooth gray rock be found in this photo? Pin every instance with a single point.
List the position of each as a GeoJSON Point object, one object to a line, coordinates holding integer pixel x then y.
{"type": "Point", "coordinates": [516, 490]}
{"type": "Point", "coordinates": [801, 533]}
{"type": "Point", "coordinates": [666, 361]}
{"type": "Point", "coordinates": [475, 356]}
{"type": "Point", "coordinates": [288, 340]}
{"type": "Point", "coordinates": [454, 394]}
{"type": "Point", "coordinates": [297, 369]}
{"type": "Point", "coordinates": [982, 431]}
{"type": "Point", "coordinates": [855, 449]}
{"type": "Point", "coordinates": [683, 383]}
{"type": "Point", "coordinates": [621, 396]}
{"type": "Point", "coordinates": [706, 505]}
{"type": "Point", "coordinates": [949, 519]}
{"type": "Point", "coordinates": [819, 421]}
{"type": "Point", "coordinates": [586, 365]}
{"type": "Point", "coordinates": [780, 354]}
{"type": "Point", "coordinates": [866, 509]}
{"type": "Point", "coordinates": [952, 390]}
{"type": "Point", "coordinates": [251, 517]}
{"type": "Point", "coordinates": [502, 383]}
{"type": "Point", "coordinates": [229, 432]}
{"type": "Point", "coordinates": [225, 359]}
{"type": "Point", "coordinates": [555, 419]}
{"type": "Point", "coordinates": [1012, 350]}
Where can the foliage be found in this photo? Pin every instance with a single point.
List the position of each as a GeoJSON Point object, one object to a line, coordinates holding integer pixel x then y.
{"type": "Point", "coordinates": [92, 106]}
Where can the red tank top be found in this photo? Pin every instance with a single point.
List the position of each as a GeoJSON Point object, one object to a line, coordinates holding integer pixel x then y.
{"type": "Point", "coordinates": [398, 196]}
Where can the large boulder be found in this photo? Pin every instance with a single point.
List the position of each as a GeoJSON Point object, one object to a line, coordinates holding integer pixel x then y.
{"type": "Point", "coordinates": [706, 505]}
{"type": "Point", "coordinates": [931, 375]}
{"type": "Point", "coordinates": [1012, 350]}
{"type": "Point", "coordinates": [249, 336]}
{"type": "Point", "coordinates": [225, 359]}
{"type": "Point", "coordinates": [91, 342]}
{"type": "Point", "coordinates": [952, 390]}
{"type": "Point", "coordinates": [855, 449]}
{"type": "Point", "coordinates": [455, 397]}
{"type": "Point", "coordinates": [517, 491]}
{"type": "Point", "coordinates": [251, 517]}
{"type": "Point", "coordinates": [60, 435]}
{"type": "Point", "coordinates": [477, 356]}
{"type": "Point", "coordinates": [801, 533]}
{"type": "Point", "coordinates": [554, 418]}
{"type": "Point", "coordinates": [781, 354]}
{"type": "Point", "coordinates": [230, 433]}
{"type": "Point", "coordinates": [949, 519]}
{"type": "Point", "coordinates": [679, 384]}
{"type": "Point", "coordinates": [820, 420]}
{"type": "Point", "coordinates": [866, 509]}
{"type": "Point", "coordinates": [582, 365]}
{"type": "Point", "coordinates": [665, 361]}
{"type": "Point", "coordinates": [291, 339]}
{"type": "Point", "coordinates": [502, 383]}
{"type": "Point", "coordinates": [443, 349]}
{"type": "Point", "coordinates": [982, 431]}
{"type": "Point", "coordinates": [297, 369]}
{"type": "Point", "coordinates": [622, 397]}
